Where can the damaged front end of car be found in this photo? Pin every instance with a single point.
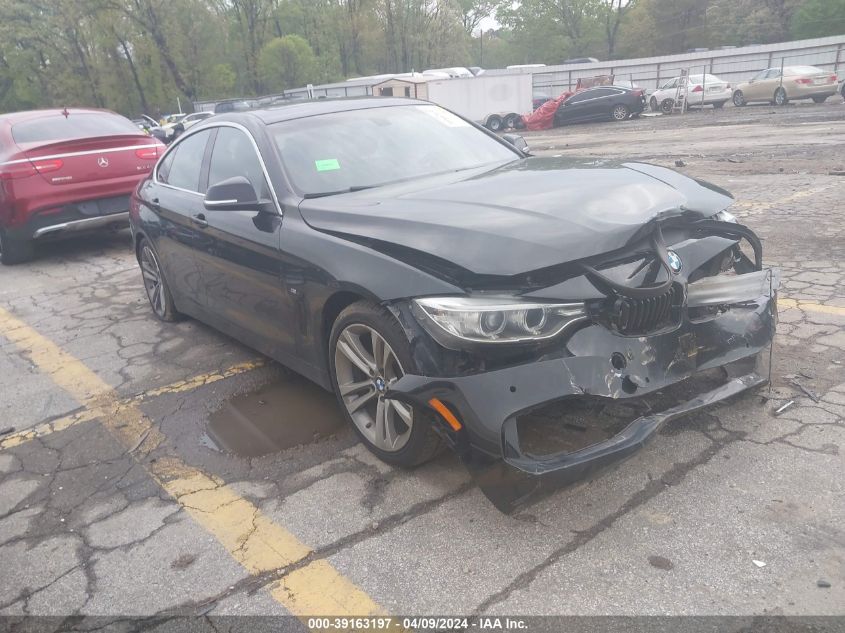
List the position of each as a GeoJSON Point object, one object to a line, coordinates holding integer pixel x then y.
{"type": "Point", "coordinates": [686, 299]}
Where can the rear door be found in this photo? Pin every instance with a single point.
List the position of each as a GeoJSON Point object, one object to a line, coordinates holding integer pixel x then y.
{"type": "Point", "coordinates": [241, 260]}
{"type": "Point", "coordinates": [600, 104]}
{"type": "Point", "coordinates": [178, 200]}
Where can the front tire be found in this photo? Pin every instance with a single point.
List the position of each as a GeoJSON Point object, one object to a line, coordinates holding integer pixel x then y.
{"type": "Point", "coordinates": [666, 106]}
{"type": "Point", "coordinates": [14, 251]}
{"type": "Point", "coordinates": [494, 123]}
{"type": "Point", "coordinates": [780, 98]}
{"type": "Point", "coordinates": [368, 351]}
{"type": "Point", "coordinates": [510, 121]}
{"type": "Point", "coordinates": [739, 99]}
{"type": "Point", "coordinates": [653, 105]}
{"type": "Point", "coordinates": [718, 105]}
{"type": "Point", "coordinates": [819, 99]}
{"type": "Point", "coordinates": [155, 285]}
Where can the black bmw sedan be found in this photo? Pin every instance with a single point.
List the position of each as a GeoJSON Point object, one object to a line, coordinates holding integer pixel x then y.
{"type": "Point", "coordinates": [603, 103]}
{"type": "Point", "coordinates": [442, 283]}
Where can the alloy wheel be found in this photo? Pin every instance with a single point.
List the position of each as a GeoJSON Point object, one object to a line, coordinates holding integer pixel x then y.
{"type": "Point", "coordinates": [153, 281]}
{"type": "Point", "coordinates": [365, 367]}
{"type": "Point", "coordinates": [620, 113]}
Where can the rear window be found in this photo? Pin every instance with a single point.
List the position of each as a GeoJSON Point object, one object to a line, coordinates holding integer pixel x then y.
{"type": "Point", "coordinates": [76, 125]}
{"type": "Point", "coordinates": [711, 79]}
{"type": "Point", "coordinates": [802, 70]}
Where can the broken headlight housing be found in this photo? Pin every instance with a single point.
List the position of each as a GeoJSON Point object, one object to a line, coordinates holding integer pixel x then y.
{"type": "Point", "coordinates": [456, 320]}
{"type": "Point", "coordinates": [726, 216]}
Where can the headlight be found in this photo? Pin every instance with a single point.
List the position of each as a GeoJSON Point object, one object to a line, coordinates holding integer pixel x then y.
{"type": "Point", "coordinates": [452, 320]}
{"type": "Point", "coordinates": [726, 216]}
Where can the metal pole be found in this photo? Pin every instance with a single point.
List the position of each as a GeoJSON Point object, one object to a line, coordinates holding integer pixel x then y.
{"type": "Point", "coordinates": [703, 83]}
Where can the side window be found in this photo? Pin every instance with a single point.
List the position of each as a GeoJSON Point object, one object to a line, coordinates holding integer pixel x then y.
{"type": "Point", "coordinates": [760, 75]}
{"type": "Point", "coordinates": [773, 73]}
{"type": "Point", "coordinates": [671, 84]}
{"type": "Point", "coordinates": [164, 168]}
{"type": "Point", "coordinates": [235, 155]}
{"type": "Point", "coordinates": [581, 96]}
{"type": "Point", "coordinates": [600, 93]}
{"type": "Point", "coordinates": [186, 164]}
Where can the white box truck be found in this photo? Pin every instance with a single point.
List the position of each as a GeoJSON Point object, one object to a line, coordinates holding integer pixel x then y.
{"type": "Point", "coordinates": [496, 101]}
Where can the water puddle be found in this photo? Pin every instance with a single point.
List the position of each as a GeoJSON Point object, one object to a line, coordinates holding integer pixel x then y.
{"type": "Point", "coordinates": [274, 417]}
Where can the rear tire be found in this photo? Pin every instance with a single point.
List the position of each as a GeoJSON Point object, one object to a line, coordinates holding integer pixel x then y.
{"type": "Point", "coordinates": [14, 251]}
{"type": "Point", "coordinates": [666, 106]}
{"type": "Point", "coordinates": [780, 98]}
{"type": "Point", "coordinates": [739, 99]}
{"type": "Point", "coordinates": [155, 284]}
{"type": "Point", "coordinates": [718, 105]}
{"type": "Point", "coordinates": [510, 121]}
{"type": "Point", "coordinates": [819, 99]}
{"type": "Point", "coordinates": [368, 324]}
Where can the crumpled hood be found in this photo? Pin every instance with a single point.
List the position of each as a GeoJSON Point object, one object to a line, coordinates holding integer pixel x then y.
{"type": "Point", "coordinates": [523, 216]}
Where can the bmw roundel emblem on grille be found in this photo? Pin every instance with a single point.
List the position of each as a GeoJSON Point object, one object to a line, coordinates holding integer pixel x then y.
{"type": "Point", "coordinates": [674, 261]}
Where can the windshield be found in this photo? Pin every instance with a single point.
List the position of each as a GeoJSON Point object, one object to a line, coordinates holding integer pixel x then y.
{"type": "Point", "coordinates": [337, 152]}
{"type": "Point", "coordinates": [58, 127]}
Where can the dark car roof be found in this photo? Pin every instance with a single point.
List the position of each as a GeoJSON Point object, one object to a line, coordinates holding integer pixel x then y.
{"type": "Point", "coordinates": [300, 109]}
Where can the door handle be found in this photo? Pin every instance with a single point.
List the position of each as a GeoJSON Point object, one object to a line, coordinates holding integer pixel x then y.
{"type": "Point", "coordinates": [199, 220]}
{"type": "Point", "coordinates": [154, 203]}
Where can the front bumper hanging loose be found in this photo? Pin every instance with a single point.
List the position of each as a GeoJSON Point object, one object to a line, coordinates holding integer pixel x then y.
{"type": "Point", "coordinates": [488, 404]}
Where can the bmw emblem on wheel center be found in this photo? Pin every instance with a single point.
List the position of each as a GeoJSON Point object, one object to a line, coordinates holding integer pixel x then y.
{"type": "Point", "coordinates": [674, 261]}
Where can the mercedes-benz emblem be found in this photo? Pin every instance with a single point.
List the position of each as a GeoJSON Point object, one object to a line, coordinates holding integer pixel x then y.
{"type": "Point", "coordinates": [674, 261]}
{"type": "Point", "coordinates": [102, 161]}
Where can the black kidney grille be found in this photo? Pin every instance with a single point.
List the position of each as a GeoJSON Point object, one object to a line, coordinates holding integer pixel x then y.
{"type": "Point", "coordinates": [640, 316]}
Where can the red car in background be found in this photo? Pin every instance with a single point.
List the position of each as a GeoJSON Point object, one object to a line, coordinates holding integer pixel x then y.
{"type": "Point", "coordinates": [66, 171]}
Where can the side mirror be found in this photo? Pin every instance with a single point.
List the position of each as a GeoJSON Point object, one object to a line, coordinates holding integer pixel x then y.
{"type": "Point", "coordinates": [517, 141]}
{"type": "Point", "coordinates": [232, 194]}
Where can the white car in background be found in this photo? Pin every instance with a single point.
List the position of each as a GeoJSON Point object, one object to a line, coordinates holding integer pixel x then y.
{"type": "Point", "coordinates": [175, 130]}
{"type": "Point", "coordinates": [702, 90]}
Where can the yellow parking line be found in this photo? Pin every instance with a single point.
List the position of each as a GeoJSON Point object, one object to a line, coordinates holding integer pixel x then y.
{"type": "Point", "coordinates": [251, 538]}
{"type": "Point", "coordinates": [809, 306]}
{"type": "Point", "coordinates": [203, 379]}
{"type": "Point", "coordinates": [46, 428]}
{"type": "Point", "coordinates": [60, 424]}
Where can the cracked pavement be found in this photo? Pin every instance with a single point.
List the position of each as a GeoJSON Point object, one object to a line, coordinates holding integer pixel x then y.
{"type": "Point", "coordinates": [119, 505]}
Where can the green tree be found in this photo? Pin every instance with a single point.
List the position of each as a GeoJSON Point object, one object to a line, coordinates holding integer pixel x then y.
{"type": "Point", "coordinates": [819, 18]}
{"type": "Point", "coordinates": [286, 62]}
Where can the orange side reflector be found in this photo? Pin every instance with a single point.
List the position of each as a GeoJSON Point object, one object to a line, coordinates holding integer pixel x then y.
{"type": "Point", "coordinates": [447, 415]}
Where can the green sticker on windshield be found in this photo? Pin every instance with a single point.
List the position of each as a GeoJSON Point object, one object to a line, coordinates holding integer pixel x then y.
{"type": "Point", "coordinates": [327, 164]}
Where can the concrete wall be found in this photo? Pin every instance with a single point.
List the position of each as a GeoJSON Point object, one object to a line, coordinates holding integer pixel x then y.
{"type": "Point", "coordinates": [733, 65]}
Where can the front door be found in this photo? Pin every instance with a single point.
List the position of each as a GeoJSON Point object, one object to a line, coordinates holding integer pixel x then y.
{"type": "Point", "coordinates": [241, 263]}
